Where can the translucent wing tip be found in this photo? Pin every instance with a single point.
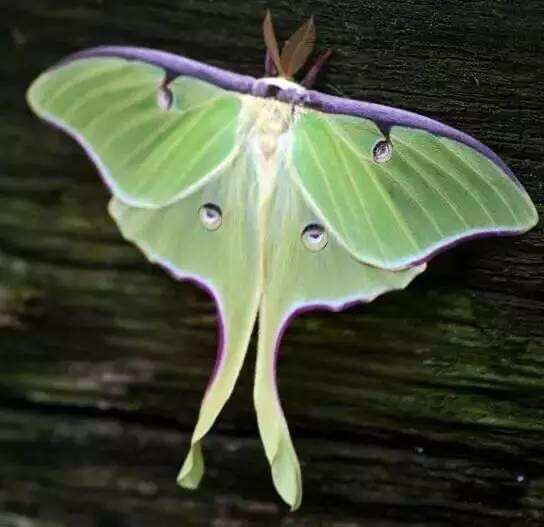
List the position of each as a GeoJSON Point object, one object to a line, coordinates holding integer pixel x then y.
{"type": "Point", "coordinates": [193, 468]}
{"type": "Point", "coordinates": [34, 93]}
{"type": "Point", "coordinates": [286, 474]}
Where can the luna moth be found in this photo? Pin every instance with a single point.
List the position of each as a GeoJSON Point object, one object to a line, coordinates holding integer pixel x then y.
{"type": "Point", "coordinates": [275, 197]}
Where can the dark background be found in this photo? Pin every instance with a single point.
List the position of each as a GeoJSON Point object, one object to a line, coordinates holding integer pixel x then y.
{"type": "Point", "coordinates": [422, 408]}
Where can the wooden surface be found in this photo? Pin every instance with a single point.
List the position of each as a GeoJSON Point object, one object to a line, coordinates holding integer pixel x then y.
{"type": "Point", "coordinates": [424, 408]}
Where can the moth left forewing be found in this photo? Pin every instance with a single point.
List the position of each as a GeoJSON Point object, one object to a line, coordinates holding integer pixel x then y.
{"type": "Point", "coordinates": [154, 138]}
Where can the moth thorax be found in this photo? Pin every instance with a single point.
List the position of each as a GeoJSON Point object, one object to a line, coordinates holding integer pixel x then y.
{"type": "Point", "coordinates": [268, 144]}
{"type": "Point", "coordinates": [272, 121]}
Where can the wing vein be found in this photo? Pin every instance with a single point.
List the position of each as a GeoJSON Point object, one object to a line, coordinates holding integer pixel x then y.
{"type": "Point", "coordinates": [508, 206]}
{"type": "Point", "coordinates": [325, 180]}
{"type": "Point", "coordinates": [103, 91]}
{"type": "Point", "coordinates": [78, 79]}
{"type": "Point", "coordinates": [409, 190]}
{"type": "Point", "coordinates": [207, 144]}
{"type": "Point", "coordinates": [115, 109]}
{"type": "Point", "coordinates": [436, 188]}
{"type": "Point", "coordinates": [379, 186]}
{"type": "Point", "coordinates": [456, 179]}
{"type": "Point", "coordinates": [357, 192]}
{"type": "Point", "coordinates": [197, 118]}
{"type": "Point", "coordinates": [132, 124]}
{"type": "Point", "coordinates": [137, 151]}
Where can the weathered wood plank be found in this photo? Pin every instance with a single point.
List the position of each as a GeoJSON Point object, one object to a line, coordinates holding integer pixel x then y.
{"type": "Point", "coordinates": [423, 408]}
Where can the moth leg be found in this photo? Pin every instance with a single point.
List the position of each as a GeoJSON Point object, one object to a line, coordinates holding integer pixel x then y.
{"type": "Point", "coordinates": [311, 76]}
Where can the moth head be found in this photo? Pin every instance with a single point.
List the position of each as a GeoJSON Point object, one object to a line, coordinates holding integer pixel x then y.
{"type": "Point", "coordinates": [294, 54]}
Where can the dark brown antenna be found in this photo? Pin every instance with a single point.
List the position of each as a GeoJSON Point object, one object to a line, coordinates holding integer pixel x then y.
{"type": "Point", "coordinates": [272, 43]}
{"type": "Point", "coordinates": [298, 48]}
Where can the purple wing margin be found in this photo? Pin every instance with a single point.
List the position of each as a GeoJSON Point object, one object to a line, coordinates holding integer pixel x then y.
{"type": "Point", "coordinates": [173, 65]}
{"type": "Point", "coordinates": [386, 117]}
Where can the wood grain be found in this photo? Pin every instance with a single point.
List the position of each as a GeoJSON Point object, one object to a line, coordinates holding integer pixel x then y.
{"type": "Point", "coordinates": [425, 407]}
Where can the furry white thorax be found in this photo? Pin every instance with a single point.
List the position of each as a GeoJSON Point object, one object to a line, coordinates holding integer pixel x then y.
{"type": "Point", "coordinates": [271, 134]}
{"type": "Point", "coordinates": [282, 83]}
{"type": "Point", "coordinates": [267, 129]}
{"type": "Point", "coordinates": [269, 122]}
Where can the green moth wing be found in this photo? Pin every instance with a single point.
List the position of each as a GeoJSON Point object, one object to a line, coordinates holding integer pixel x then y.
{"type": "Point", "coordinates": [394, 200]}
{"type": "Point", "coordinates": [309, 269]}
{"type": "Point", "coordinates": [209, 237]}
{"type": "Point", "coordinates": [162, 130]}
{"type": "Point", "coordinates": [132, 120]}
